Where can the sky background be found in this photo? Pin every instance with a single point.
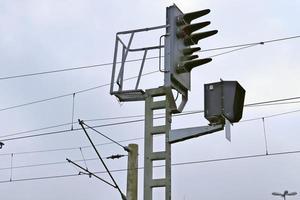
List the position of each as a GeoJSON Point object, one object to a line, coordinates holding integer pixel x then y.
{"type": "Point", "coordinates": [39, 36]}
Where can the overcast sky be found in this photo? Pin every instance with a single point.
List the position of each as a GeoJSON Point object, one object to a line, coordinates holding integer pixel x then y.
{"type": "Point", "coordinates": [39, 36]}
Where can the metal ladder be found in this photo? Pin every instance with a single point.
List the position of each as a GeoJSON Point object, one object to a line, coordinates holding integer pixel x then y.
{"type": "Point", "coordinates": [150, 155]}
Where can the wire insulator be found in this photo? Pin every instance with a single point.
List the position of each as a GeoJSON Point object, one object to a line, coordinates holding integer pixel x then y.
{"type": "Point", "coordinates": [117, 156]}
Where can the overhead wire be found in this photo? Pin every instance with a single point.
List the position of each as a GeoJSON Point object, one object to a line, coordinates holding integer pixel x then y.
{"type": "Point", "coordinates": [44, 164]}
{"type": "Point", "coordinates": [243, 46]}
{"type": "Point", "coordinates": [85, 90]}
{"type": "Point", "coordinates": [68, 94]}
{"type": "Point", "coordinates": [115, 184]}
{"type": "Point", "coordinates": [191, 162]}
{"type": "Point", "coordinates": [70, 123]}
{"type": "Point", "coordinates": [90, 174]}
{"type": "Point", "coordinates": [89, 89]}
{"type": "Point", "coordinates": [131, 139]}
{"type": "Point", "coordinates": [162, 165]}
{"type": "Point", "coordinates": [124, 122]}
{"type": "Point", "coordinates": [272, 101]}
{"type": "Point", "coordinates": [227, 52]}
{"type": "Point", "coordinates": [68, 69]}
{"type": "Point", "coordinates": [69, 148]}
{"type": "Point", "coordinates": [270, 116]}
{"type": "Point", "coordinates": [135, 60]}
{"type": "Point", "coordinates": [253, 43]}
{"type": "Point", "coordinates": [100, 133]}
{"type": "Point", "coordinates": [262, 103]}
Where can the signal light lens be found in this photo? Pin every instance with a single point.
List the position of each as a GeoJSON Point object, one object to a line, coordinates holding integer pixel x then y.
{"type": "Point", "coordinates": [188, 17]}
{"type": "Point", "coordinates": [194, 38]}
{"type": "Point", "coordinates": [187, 66]}
{"type": "Point", "coordinates": [186, 30]}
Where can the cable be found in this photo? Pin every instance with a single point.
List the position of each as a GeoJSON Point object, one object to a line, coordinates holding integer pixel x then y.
{"type": "Point", "coordinates": [35, 102]}
{"type": "Point", "coordinates": [83, 158]}
{"type": "Point", "coordinates": [226, 52]}
{"type": "Point", "coordinates": [69, 94]}
{"type": "Point", "coordinates": [270, 102]}
{"type": "Point", "coordinates": [135, 60]}
{"type": "Point", "coordinates": [265, 135]}
{"type": "Point", "coordinates": [264, 103]}
{"type": "Point", "coordinates": [157, 166]}
{"type": "Point", "coordinates": [283, 113]}
{"type": "Point", "coordinates": [270, 116]}
{"type": "Point", "coordinates": [40, 178]}
{"type": "Point", "coordinates": [61, 162]}
{"type": "Point", "coordinates": [35, 130]}
{"type": "Point", "coordinates": [280, 103]}
{"type": "Point", "coordinates": [111, 157]}
{"type": "Point", "coordinates": [52, 71]}
{"type": "Point", "coordinates": [90, 173]}
{"type": "Point", "coordinates": [40, 134]}
{"type": "Point", "coordinates": [125, 122]}
{"type": "Point", "coordinates": [44, 164]}
{"type": "Point", "coordinates": [249, 44]}
{"type": "Point", "coordinates": [101, 159]}
{"type": "Point", "coordinates": [108, 157]}
{"type": "Point", "coordinates": [124, 147]}
{"type": "Point", "coordinates": [236, 158]}
{"type": "Point", "coordinates": [67, 69]}
{"type": "Point", "coordinates": [11, 166]}
{"type": "Point", "coordinates": [139, 138]}
{"type": "Point", "coordinates": [69, 130]}
{"type": "Point", "coordinates": [70, 123]}
{"type": "Point", "coordinates": [70, 148]}
{"type": "Point", "coordinates": [73, 111]}
{"type": "Point", "coordinates": [243, 46]}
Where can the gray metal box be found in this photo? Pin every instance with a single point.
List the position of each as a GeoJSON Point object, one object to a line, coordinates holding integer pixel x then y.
{"type": "Point", "coordinates": [222, 100]}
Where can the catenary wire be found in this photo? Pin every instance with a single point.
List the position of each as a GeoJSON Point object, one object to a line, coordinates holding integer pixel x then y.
{"type": "Point", "coordinates": [244, 156]}
{"type": "Point", "coordinates": [45, 164]}
{"type": "Point", "coordinates": [263, 103]}
{"type": "Point", "coordinates": [69, 148]}
{"type": "Point", "coordinates": [93, 120]}
{"type": "Point", "coordinates": [115, 184]}
{"type": "Point", "coordinates": [140, 138]}
{"type": "Point", "coordinates": [231, 51]}
{"type": "Point", "coordinates": [69, 94]}
{"type": "Point", "coordinates": [103, 135]}
{"type": "Point", "coordinates": [107, 157]}
{"type": "Point", "coordinates": [273, 101]}
{"type": "Point", "coordinates": [68, 69]}
{"type": "Point", "coordinates": [253, 43]}
{"type": "Point", "coordinates": [243, 46]}
{"type": "Point", "coordinates": [130, 121]}
{"type": "Point", "coordinates": [135, 60]}
{"type": "Point", "coordinates": [157, 166]}
{"type": "Point", "coordinates": [136, 116]}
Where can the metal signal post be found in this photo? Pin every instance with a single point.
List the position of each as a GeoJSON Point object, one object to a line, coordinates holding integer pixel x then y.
{"type": "Point", "coordinates": [181, 42]}
{"type": "Point", "coordinates": [179, 61]}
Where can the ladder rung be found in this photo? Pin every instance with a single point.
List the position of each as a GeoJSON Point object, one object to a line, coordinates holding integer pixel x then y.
{"type": "Point", "coordinates": [158, 105]}
{"type": "Point", "coordinates": [157, 92]}
{"type": "Point", "coordinates": [158, 130]}
{"type": "Point", "coordinates": [158, 182]}
{"type": "Point", "coordinates": [160, 155]}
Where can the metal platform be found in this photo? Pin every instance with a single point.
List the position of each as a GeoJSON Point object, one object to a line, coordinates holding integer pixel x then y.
{"type": "Point", "coordinates": [130, 95]}
{"type": "Point", "coordinates": [117, 87]}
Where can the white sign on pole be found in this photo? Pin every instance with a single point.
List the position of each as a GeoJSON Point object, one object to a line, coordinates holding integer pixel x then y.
{"type": "Point", "coordinates": [227, 130]}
